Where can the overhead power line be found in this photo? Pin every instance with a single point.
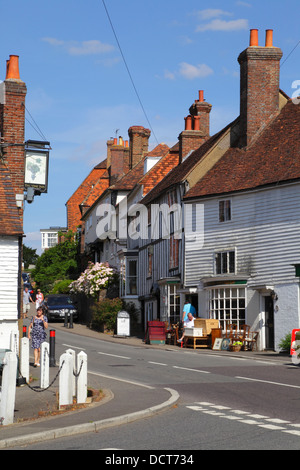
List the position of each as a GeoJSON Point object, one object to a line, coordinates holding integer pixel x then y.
{"type": "Point", "coordinates": [290, 53]}
{"type": "Point", "coordinates": [127, 68]}
{"type": "Point", "coordinates": [36, 127]}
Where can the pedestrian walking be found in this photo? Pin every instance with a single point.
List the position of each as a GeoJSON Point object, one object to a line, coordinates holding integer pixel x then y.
{"type": "Point", "coordinates": [26, 302]}
{"type": "Point", "coordinates": [39, 299]}
{"type": "Point", "coordinates": [37, 332]}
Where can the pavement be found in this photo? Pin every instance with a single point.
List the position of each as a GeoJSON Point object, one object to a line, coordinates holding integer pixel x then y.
{"type": "Point", "coordinates": [36, 418]}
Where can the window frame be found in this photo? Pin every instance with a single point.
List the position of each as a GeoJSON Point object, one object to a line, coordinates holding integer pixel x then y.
{"type": "Point", "coordinates": [128, 278]}
{"type": "Point", "coordinates": [228, 304]}
{"type": "Point", "coordinates": [225, 213]}
{"type": "Point", "coordinates": [225, 261]}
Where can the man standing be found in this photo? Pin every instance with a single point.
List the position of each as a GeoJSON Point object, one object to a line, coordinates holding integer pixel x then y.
{"type": "Point", "coordinates": [26, 302]}
{"type": "Point", "coordinates": [188, 308]}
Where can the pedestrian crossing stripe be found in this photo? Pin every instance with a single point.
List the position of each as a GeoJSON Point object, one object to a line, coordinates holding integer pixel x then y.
{"type": "Point", "coordinates": [245, 417]}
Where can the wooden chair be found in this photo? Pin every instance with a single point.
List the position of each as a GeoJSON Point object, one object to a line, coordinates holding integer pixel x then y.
{"type": "Point", "coordinates": [231, 332]}
{"type": "Point", "coordinates": [171, 333]}
{"type": "Point", "coordinates": [243, 334]}
{"type": "Point", "coordinates": [251, 340]}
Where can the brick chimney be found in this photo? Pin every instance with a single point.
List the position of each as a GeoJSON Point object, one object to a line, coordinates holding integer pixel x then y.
{"type": "Point", "coordinates": [12, 122]}
{"type": "Point", "coordinates": [138, 144]}
{"type": "Point", "coordinates": [259, 86]}
{"type": "Point", "coordinates": [119, 160]}
{"type": "Point", "coordinates": [196, 130]}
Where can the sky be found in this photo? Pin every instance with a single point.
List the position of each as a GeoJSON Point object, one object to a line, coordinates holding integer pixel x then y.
{"type": "Point", "coordinates": [95, 68]}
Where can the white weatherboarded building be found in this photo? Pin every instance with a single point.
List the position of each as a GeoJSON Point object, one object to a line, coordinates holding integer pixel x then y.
{"type": "Point", "coordinates": [9, 292]}
{"type": "Point", "coordinates": [245, 271]}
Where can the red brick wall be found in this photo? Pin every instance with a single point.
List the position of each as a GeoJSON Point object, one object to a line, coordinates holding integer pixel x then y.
{"type": "Point", "coordinates": [119, 166]}
{"type": "Point", "coordinates": [259, 89]}
{"type": "Point", "coordinates": [12, 127]}
{"type": "Point", "coordinates": [190, 140]}
{"type": "Point", "coordinates": [139, 137]}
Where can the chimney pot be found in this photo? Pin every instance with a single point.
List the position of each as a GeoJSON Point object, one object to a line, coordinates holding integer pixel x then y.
{"type": "Point", "coordinates": [12, 68]}
{"type": "Point", "coordinates": [188, 123]}
{"type": "Point", "coordinates": [196, 123]}
{"type": "Point", "coordinates": [115, 141]}
{"type": "Point", "coordinates": [201, 96]}
{"type": "Point", "coordinates": [121, 140]}
{"type": "Point", "coordinates": [253, 37]}
{"type": "Point", "coordinates": [269, 38]}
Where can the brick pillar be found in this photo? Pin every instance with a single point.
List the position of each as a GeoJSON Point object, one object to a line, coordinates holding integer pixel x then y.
{"type": "Point", "coordinates": [119, 160]}
{"type": "Point", "coordinates": [259, 86]}
{"type": "Point", "coordinates": [196, 127]}
{"type": "Point", "coordinates": [138, 146]}
{"type": "Point", "coordinates": [12, 123]}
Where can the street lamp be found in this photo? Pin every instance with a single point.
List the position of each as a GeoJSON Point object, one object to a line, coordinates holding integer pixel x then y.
{"type": "Point", "coordinates": [36, 168]}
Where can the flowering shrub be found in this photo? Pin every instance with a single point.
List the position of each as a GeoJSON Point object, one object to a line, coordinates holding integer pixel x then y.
{"type": "Point", "coordinates": [96, 277]}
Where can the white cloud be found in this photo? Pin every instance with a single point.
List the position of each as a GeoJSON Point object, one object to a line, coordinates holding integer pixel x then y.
{"type": "Point", "coordinates": [222, 25]}
{"type": "Point", "coordinates": [92, 47]}
{"type": "Point", "coordinates": [212, 13]}
{"type": "Point", "coordinates": [169, 75]}
{"type": "Point", "coordinates": [243, 4]}
{"type": "Point", "coordinates": [190, 71]}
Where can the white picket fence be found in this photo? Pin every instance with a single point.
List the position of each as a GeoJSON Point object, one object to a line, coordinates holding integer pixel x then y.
{"type": "Point", "coordinates": [72, 377]}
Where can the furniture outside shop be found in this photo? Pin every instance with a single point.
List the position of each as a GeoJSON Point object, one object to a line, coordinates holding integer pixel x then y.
{"type": "Point", "coordinates": [206, 333]}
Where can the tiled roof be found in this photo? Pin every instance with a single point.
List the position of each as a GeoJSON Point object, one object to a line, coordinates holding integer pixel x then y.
{"type": "Point", "coordinates": [136, 174]}
{"type": "Point", "coordinates": [273, 158]}
{"type": "Point", "coordinates": [130, 179]}
{"type": "Point", "coordinates": [97, 189]}
{"type": "Point", "coordinates": [73, 203]}
{"type": "Point", "coordinates": [10, 220]}
{"type": "Point", "coordinates": [159, 171]}
{"type": "Point", "coordinates": [179, 172]}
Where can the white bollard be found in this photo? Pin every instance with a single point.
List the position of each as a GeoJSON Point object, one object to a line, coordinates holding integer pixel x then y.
{"type": "Point", "coordinates": [24, 360]}
{"type": "Point", "coordinates": [73, 354]}
{"type": "Point", "coordinates": [44, 380]}
{"type": "Point", "coordinates": [65, 380]}
{"type": "Point", "coordinates": [82, 378]}
{"type": "Point", "coordinates": [14, 342]}
{"type": "Point", "coordinates": [8, 391]}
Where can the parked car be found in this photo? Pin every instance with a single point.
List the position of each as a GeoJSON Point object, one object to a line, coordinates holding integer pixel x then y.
{"type": "Point", "coordinates": [25, 277]}
{"type": "Point", "coordinates": [57, 305]}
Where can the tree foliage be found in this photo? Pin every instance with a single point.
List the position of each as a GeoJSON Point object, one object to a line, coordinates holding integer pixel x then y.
{"type": "Point", "coordinates": [57, 263]}
{"type": "Point", "coordinates": [30, 256]}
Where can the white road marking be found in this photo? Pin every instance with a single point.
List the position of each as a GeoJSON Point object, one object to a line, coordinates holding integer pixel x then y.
{"type": "Point", "coordinates": [244, 417]}
{"type": "Point", "coordinates": [114, 355]}
{"type": "Point", "coordinates": [157, 363]}
{"type": "Point", "coordinates": [122, 380]}
{"type": "Point", "coordinates": [268, 382]}
{"type": "Point", "coordinates": [193, 370]}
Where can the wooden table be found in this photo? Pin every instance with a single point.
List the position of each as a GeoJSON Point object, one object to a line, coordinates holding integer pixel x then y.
{"type": "Point", "coordinates": [194, 340]}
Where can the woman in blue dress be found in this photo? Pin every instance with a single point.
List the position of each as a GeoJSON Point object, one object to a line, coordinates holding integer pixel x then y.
{"type": "Point", "coordinates": [37, 327]}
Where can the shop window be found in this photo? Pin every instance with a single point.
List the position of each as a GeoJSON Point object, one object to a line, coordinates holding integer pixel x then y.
{"type": "Point", "coordinates": [228, 305]}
